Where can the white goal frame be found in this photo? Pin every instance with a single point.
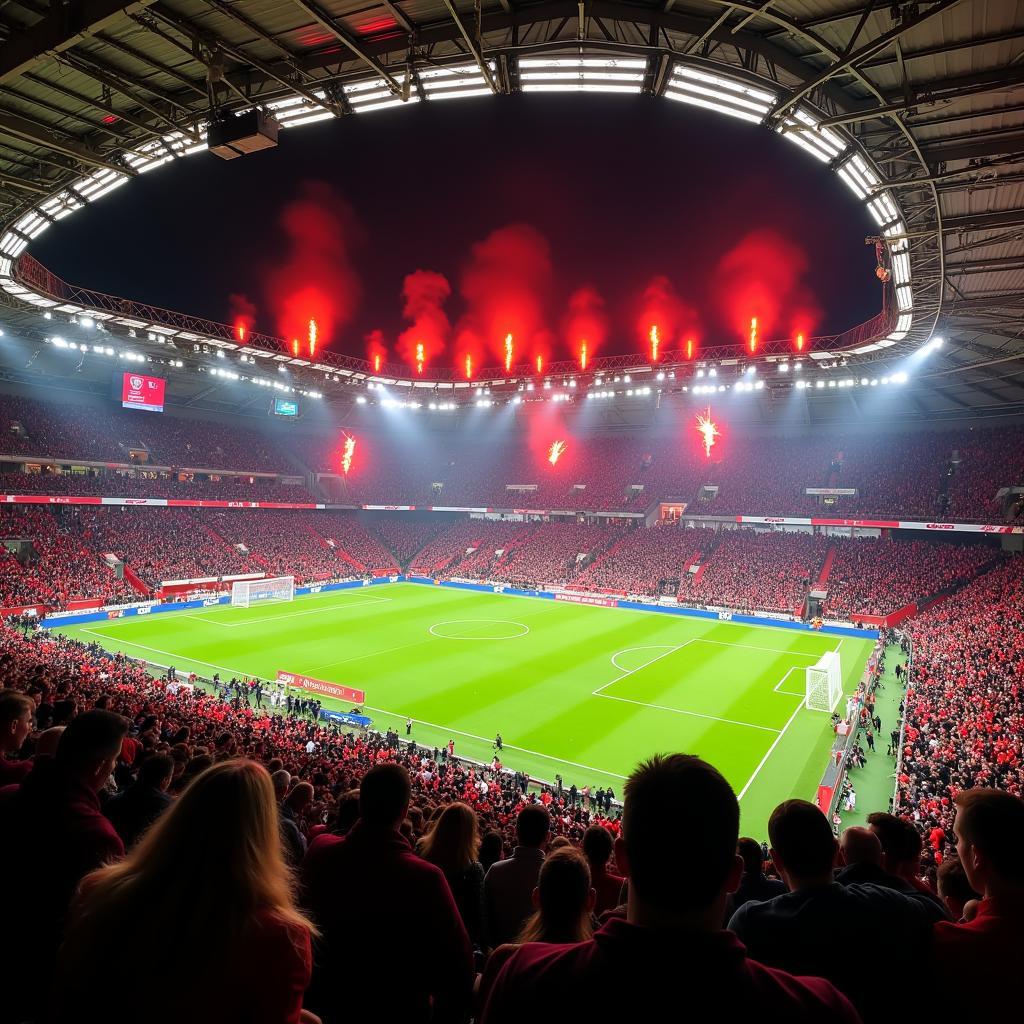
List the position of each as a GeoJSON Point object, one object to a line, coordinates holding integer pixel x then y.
{"type": "Point", "coordinates": [278, 588]}
{"type": "Point", "coordinates": [824, 683]}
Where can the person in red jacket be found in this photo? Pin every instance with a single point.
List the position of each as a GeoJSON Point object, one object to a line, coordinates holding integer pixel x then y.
{"type": "Point", "coordinates": [978, 963]}
{"type": "Point", "coordinates": [198, 923]}
{"type": "Point", "coordinates": [670, 957]}
{"type": "Point", "coordinates": [393, 945]}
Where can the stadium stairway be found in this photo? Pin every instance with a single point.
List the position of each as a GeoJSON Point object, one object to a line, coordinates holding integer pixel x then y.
{"type": "Point", "coordinates": [136, 582]}
{"type": "Point", "coordinates": [826, 568]}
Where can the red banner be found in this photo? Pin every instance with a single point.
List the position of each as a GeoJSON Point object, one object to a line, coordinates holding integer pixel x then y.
{"type": "Point", "coordinates": [345, 693]}
{"type": "Point", "coordinates": [141, 392]}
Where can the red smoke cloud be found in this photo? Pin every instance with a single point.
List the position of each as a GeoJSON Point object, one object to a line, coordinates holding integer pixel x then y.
{"type": "Point", "coordinates": [762, 277]}
{"type": "Point", "coordinates": [243, 315]}
{"type": "Point", "coordinates": [585, 320]}
{"type": "Point", "coordinates": [375, 348]}
{"type": "Point", "coordinates": [424, 293]}
{"type": "Point", "coordinates": [660, 306]}
{"type": "Point", "coordinates": [317, 279]}
{"type": "Point", "coordinates": [505, 286]}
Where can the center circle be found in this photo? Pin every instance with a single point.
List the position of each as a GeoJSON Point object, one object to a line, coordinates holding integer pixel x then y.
{"type": "Point", "coordinates": [479, 629]}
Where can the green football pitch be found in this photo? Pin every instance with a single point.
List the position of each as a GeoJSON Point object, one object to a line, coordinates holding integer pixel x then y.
{"type": "Point", "coordinates": [583, 691]}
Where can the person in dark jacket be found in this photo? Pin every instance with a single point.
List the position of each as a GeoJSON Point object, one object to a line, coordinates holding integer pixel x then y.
{"type": "Point", "coordinates": [53, 826]}
{"type": "Point", "coordinates": [754, 885]}
{"type": "Point", "coordinates": [134, 810]}
{"type": "Point", "coordinates": [806, 930]}
{"type": "Point", "coordinates": [509, 884]}
{"type": "Point", "coordinates": [393, 944]}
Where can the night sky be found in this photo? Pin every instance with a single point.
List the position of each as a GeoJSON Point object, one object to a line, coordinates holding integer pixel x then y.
{"type": "Point", "coordinates": [623, 188]}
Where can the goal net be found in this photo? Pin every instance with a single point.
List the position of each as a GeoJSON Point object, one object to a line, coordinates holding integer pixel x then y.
{"type": "Point", "coordinates": [824, 683]}
{"type": "Point", "coordinates": [247, 592]}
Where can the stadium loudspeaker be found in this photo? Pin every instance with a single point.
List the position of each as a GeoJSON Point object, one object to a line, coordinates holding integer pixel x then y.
{"type": "Point", "coordinates": [237, 136]}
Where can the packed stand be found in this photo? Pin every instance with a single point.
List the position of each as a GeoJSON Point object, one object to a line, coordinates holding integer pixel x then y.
{"type": "Point", "coordinates": [105, 433]}
{"type": "Point", "coordinates": [163, 813]}
{"type": "Point", "coordinates": [554, 553]}
{"type": "Point", "coordinates": [153, 485]}
{"type": "Point", "coordinates": [965, 705]}
{"type": "Point", "coordinates": [751, 571]}
{"type": "Point", "coordinates": [61, 566]}
{"type": "Point", "coordinates": [357, 541]}
{"type": "Point", "coordinates": [405, 536]}
{"type": "Point", "coordinates": [160, 544]}
{"type": "Point", "coordinates": [878, 576]}
{"type": "Point", "coordinates": [645, 561]}
{"type": "Point", "coordinates": [987, 461]}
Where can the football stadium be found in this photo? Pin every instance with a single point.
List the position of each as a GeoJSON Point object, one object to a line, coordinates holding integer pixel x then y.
{"type": "Point", "coordinates": [555, 553]}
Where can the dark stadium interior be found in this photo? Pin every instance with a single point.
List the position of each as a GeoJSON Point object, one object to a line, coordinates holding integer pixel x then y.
{"type": "Point", "coordinates": [705, 314]}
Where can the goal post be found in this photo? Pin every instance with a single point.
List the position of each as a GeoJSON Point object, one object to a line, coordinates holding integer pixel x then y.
{"type": "Point", "coordinates": [247, 592]}
{"type": "Point", "coordinates": [824, 683]}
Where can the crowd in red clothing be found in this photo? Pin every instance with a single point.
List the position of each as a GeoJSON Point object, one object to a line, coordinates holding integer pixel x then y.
{"type": "Point", "coordinates": [749, 571]}
{"type": "Point", "coordinates": [61, 566]}
{"type": "Point", "coordinates": [879, 576]}
{"type": "Point", "coordinates": [965, 706]}
{"type": "Point", "coordinates": [390, 837]}
{"type": "Point", "coordinates": [105, 433]}
{"type": "Point", "coordinates": [141, 484]}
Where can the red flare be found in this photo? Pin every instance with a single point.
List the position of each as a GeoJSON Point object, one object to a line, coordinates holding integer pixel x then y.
{"type": "Point", "coordinates": [753, 335]}
{"type": "Point", "coordinates": [376, 363]}
{"type": "Point", "coordinates": [295, 347]}
{"type": "Point", "coordinates": [556, 451]}
{"type": "Point", "coordinates": [469, 367]}
{"type": "Point", "coordinates": [508, 352]}
{"type": "Point", "coordinates": [689, 348]}
{"type": "Point", "coordinates": [312, 338]}
{"type": "Point", "coordinates": [540, 364]}
{"type": "Point", "coordinates": [655, 343]}
{"type": "Point", "coordinates": [420, 356]}
{"type": "Point", "coordinates": [347, 452]}
{"type": "Point", "coordinates": [799, 343]}
{"type": "Point", "coordinates": [583, 356]}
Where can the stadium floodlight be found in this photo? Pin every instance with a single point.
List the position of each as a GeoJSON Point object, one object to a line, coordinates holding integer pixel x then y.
{"type": "Point", "coordinates": [712, 372]}
{"type": "Point", "coordinates": [899, 378]}
{"type": "Point", "coordinates": [783, 367]}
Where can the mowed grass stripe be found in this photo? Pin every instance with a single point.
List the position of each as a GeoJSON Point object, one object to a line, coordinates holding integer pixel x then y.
{"type": "Point", "coordinates": [537, 689]}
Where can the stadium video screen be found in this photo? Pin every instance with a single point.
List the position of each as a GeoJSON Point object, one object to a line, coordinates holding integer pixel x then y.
{"type": "Point", "coordinates": [286, 407]}
{"type": "Point", "coordinates": [141, 392]}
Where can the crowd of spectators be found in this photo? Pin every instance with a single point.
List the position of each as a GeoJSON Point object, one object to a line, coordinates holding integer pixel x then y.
{"type": "Point", "coordinates": [105, 433]}
{"type": "Point", "coordinates": [878, 576]}
{"type": "Point", "coordinates": [143, 484]}
{"type": "Point", "coordinates": [554, 553]}
{"type": "Point", "coordinates": [160, 544]}
{"type": "Point", "coordinates": [153, 816]}
{"type": "Point", "coordinates": [750, 570]}
{"type": "Point", "coordinates": [406, 536]}
{"type": "Point", "coordinates": [646, 562]}
{"type": "Point", "coordinates": [57, 567]}
{"type": "Point", "coordinates": [965, 706]}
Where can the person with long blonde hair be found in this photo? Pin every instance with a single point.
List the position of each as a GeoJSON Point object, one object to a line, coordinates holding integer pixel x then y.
{"type": "Point", "coordinates": [198, 923]}
{"type": "Point", "coordinates": [453, 845]}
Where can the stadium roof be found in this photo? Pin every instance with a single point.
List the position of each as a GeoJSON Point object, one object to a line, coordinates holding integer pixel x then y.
{"type": "Point", "coordinates": [919, 107]}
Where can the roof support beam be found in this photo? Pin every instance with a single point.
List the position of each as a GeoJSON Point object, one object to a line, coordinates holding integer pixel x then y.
{"type": "Point", "coordinates": [867, 50]}
{"type": "Point", "coordinates": [36, 135]}
{"type": "Point", "coordinates": [66, 25]}
{"type": "Point", "coordinates": [967, 147]}
{"type": "Point", "coordinates": [325, 21]}
{"type": "Point", "coordinates": [471, 45]}
{"type": "Point", "coordinates": [984, 221]}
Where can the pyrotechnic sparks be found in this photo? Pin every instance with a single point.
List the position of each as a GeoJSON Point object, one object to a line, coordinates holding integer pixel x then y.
{"type": "Point", "coordinates": [583, 356]}
{"type": "Point", "coordinates": [347, 452]}
{"type": "Point", "coordinates": [799, 343]}
{"type": "Point", "coordinates": [312, 338]}
{"type": "Point", "coordinates": [376, 362]}
{"type": "Point", "coordinates": [753, 335]}
{"type": "Point", "coordinates": [556, 451]}
{"type": "Point", "coordinates": [469, 367]}
{"type": "Point", "coordinates": [655, 343]}
{"type": "Point", "coordinates": [540, 364]}
{"type": "Point", "coordinates": [241, 332]}
{"type": "Point", "coordinates": [708, 430]}
{"type": "Point", "coordinates": [420, 356]}
{"type": "Point", "coordinates": [295, 347]}
{"type": "Point", "coordinates": [689, 348]}
{"type": "Point", "coordinates": [508, 352]}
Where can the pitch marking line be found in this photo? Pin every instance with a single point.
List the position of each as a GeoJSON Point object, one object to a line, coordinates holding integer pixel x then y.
{"type": "Point", "coordinates": [775, 743]}
{"type": "Point", "coordinates": [381, 711]}
{"type": "Point", "coordinates": [288, 615]}
{"type": "Point", "coordinates": [777, 688]}
{"type": "Point", "coordinates": [668, 649]}
{"type": "Point", "coordinates": [457, 622]}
